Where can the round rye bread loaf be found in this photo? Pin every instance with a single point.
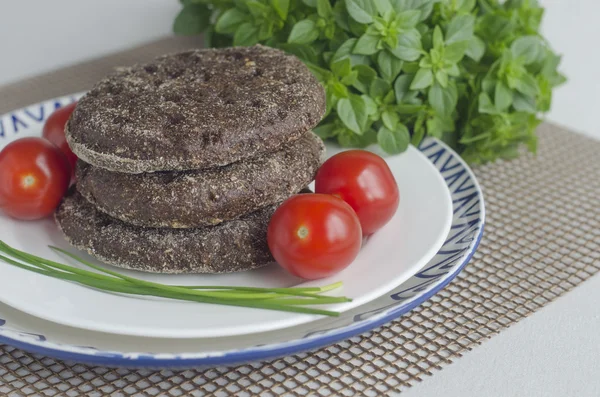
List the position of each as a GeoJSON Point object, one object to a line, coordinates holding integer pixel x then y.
{"type": "Point", "coordinates": [196, 109]}
{"type": "Point", "coordinates": [187, 199]}
{"type": "Point", "coordinates": [232, 246]}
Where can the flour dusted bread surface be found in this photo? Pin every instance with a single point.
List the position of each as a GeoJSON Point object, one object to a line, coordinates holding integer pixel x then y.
{"type": "Point", "coordinates": [231, 246]}
{"type": "Point", "coordinates": [196, 109]}
{"type": "Point", "coordinates": [205, 197]}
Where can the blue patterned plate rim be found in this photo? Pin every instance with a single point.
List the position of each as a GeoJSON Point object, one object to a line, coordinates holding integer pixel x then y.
{"type": "Point", "coordinates": [464, 237]}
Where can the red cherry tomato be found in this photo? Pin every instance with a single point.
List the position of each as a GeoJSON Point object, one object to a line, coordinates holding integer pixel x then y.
{"type": "Point", "coordinates": [34, 176]}
{"type": "Point", "coordinates": [314, 235]}
{"type": "Point", "coordinates": [363, 180]}
{"type": "Point", "coordinates": [54, 131]}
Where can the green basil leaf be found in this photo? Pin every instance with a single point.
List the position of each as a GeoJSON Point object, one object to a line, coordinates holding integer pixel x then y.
{"type": "Point", "coordinates": [325, 131]}
{"type": "Point", "coordinates": [257, 9]}
{"type": "Point", "coordinates": [438, 38]}
{"type": "Point", "coordinates": [357, 29]}
{"type": "Point", "coordinates": [281, 7]}
{"type": "Point", "coordinates": [322, 75]}
{"type": "Point", "coordinates": [342, 67]}
{"type": "Point", "coordinates": [442, 77]}
{"type": "Point", "coordinates": [418, 133]}
{"type": "Point", "coordinates": [408, 19]}
{"type": "Point", "coordinates": [409, 46]}
{"type": "Point", "coordinates": [494, 27]}
{"type": "Point", "coordinates": [405, 109]}
{"type": "Point", "coordinates": [527, 48]}
{"type": "Point", "coordinates": [350, 78]}
{"type": "Point", "coordinates": [460, 28]}
{"type": "Point", "coordinates": [229, 21]}
{"type": "Point", "coordinates": [389, 66]}
{"type": "Point", "coordinates": [361, 11]}
{"type": "Point", "coordinates": [331, 101]}
{"type": "Point", "coordinates": [303, 51]}
{"type": "Point", "coordinates": [366, 75]}
{"type": "Point", "coordinates": [329, 32]}
{"type": "Point", "coordinates": [389, 98]}
{"type": "Point", "coordinates": [489, 84]}
{"type": "Point", "coordinates": [304, 32]}
{"type": "Point", "coordinates": [426, 62]}
{"type": "Point", "coordinates": [475, 49]}
{"type": "Point", "coordinates": [503, 96]}
{"type": "Point", "coordinates": [338, 89]}
{"type": "Point", "coordinates": [265, 31]}
{"type": "Point", "coordinates": [423, 79]}
{"type": "Point", "coordinates": [435, 127]}
{"type": "Point", "coordinates": [527, 85]}
{"type": "Point", "coordinates": [345, 51]}
{"type": "Point", "coordinates": [379, 88]}
{"type": "Point", "coordinates": [366, 45]}
{"type": "Point", "coordinates": [240, 4]}
{"type": "Point", "coordinates": [378, 26]}
{"type": "Point", "coordinates": [347, 138]}
{"type": "Point", "coordinates": [341, 17]}
{"type": "Point", "coordinates": [557, 79]}
{"type": "Point", "coordinates": [425, 6]}
{"type": "Point", "coordinates": [393, 141]}
{"type": "Point", "coordinates": [390, 119]}
{"type": "Point", "coordinates": [353, 113]}
{"type": "Point", "coordinates": [402, 86]}
{"type": "Point", "coordinates": [456, 51]}
{"type": "Point", "coordinates": [549, 70]}
{"type": "Point", "coordinates": [383, 6]}
{"type": "Point", "coordinates": [550, 65]}
{"type": "Point", "coordinates": [453, 70]}
{"type": "Point", "coordinates": [372, 107]}
{"type": "Point", "coordinates": [310, 3]}
{"type": "Point", "coordinates": [443, 101]}
{"type": "Point", "coordinates": [485, 104]}
{"type": "Point", "coordinates": [465, 5]}
{"type": "Point", "coordinates": [324, 8]}
{"type": "Point", "coordinates": [192, 19]}
{"type": "Point", "coordinates": [521, 103]}
{"type": "Point", "coordinates": [390, 42]}
{"type": "Point", "coordinates": [246, 35]}
{"type": "Point", "coordinates": [411, 67]}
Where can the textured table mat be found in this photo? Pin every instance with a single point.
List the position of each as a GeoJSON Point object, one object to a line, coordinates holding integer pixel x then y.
{"type": "Point", "coordinates": [542, 239]}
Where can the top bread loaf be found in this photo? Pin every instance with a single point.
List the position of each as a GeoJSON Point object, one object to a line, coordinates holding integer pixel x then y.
{"type": "Point", "coordinates": [196, 109]}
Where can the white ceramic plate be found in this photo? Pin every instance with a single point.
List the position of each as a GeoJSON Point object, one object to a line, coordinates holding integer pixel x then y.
{"type": "Point", "coordinates": [387, 259]}
{"type": "Point", "coordinates": [51, 339]}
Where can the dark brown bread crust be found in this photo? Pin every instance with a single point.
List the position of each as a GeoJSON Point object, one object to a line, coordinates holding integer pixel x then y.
{"type": "Point", "coordinates": [196, 109]}
{"type": "Point", "coordinates": [229, 247]}
{"type": "Point", "coordinates": [206, 197]}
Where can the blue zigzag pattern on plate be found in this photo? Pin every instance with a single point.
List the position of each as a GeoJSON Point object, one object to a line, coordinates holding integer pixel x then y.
{"type": "Point", "coordinates": [467, 211]}
{"type": "Point", "coordinates": [464, 236]}
{"type": "Point", "coordinates": [466, 223]}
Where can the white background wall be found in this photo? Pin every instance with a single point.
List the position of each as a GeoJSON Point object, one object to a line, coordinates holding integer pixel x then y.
{"type": "Point", "coordinates": [42, 35]}
{"type": "Point", "coordinates": [552, 353]}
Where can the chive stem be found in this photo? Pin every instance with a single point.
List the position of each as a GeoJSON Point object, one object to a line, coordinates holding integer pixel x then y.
{"type": "Point", "coordinates": [292, 299]}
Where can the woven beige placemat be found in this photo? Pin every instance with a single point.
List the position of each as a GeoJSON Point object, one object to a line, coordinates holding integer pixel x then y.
{"type": "Point", "coordinates": [542, 239]}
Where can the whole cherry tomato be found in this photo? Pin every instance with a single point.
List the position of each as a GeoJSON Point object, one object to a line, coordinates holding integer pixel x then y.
{"type": "Point", "coordinates": [314, 235]}
{"type": "Point", "coordinates": [363, 180]}
{"type": "Point", "coordinates": [34, 176]}
{"type": "Point", "coordinates": [54, 131]}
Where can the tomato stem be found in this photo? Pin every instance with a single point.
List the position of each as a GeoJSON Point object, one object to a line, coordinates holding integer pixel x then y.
{"type": "Point", "coordinates": [302, 232]}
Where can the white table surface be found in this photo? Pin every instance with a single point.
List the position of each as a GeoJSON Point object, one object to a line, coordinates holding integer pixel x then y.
{"type": "Point", "coordinates": [555, 352]}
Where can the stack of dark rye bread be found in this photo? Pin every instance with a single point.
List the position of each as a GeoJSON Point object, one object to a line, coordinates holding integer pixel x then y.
{"type": "Point", "coordinates": [184, 159]}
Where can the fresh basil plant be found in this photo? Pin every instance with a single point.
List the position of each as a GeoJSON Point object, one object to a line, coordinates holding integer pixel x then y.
{"type": "Point", "coordinates": [474, 73]}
